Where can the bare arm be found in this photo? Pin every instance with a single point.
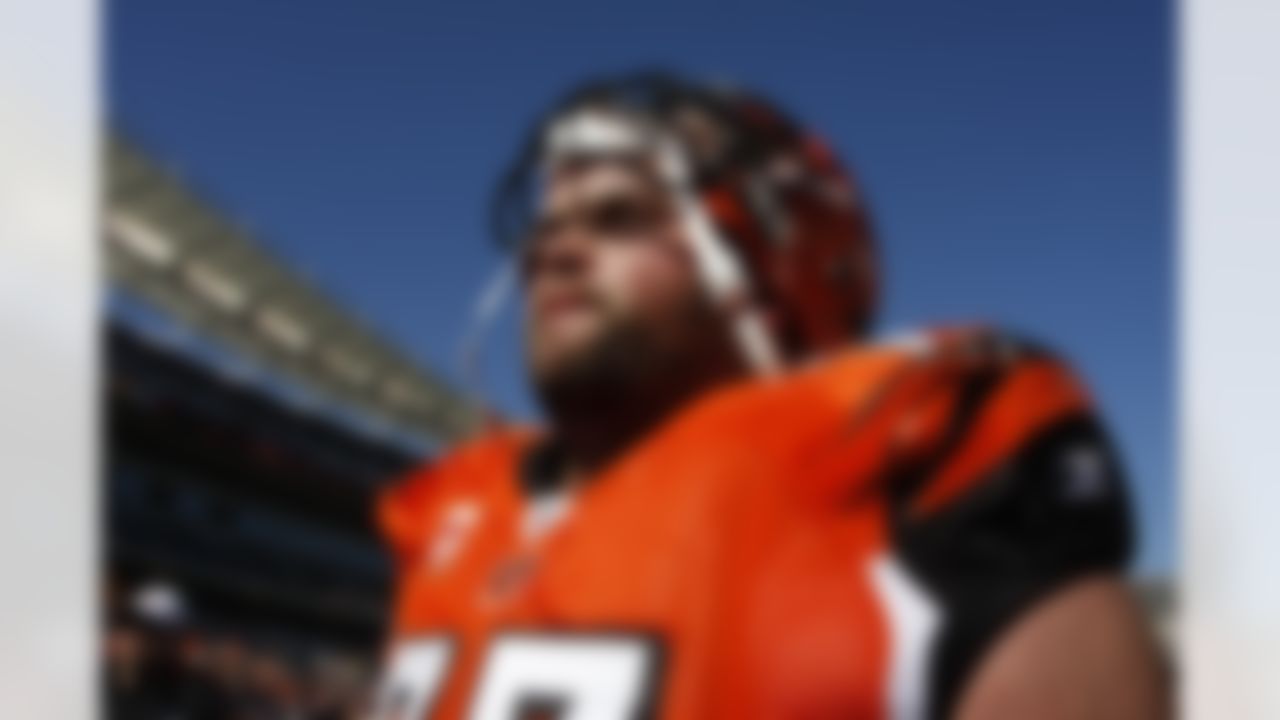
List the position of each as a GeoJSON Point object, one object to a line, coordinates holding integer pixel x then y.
{"type": "Point", "coordinates": [1084, 653]}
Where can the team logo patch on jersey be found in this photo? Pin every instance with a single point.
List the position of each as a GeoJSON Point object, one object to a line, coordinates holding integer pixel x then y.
{"type": "Point", "coordinates": [457, 526]}
{"type": "Point", "coordinates": [1086, 473]}
{"type": "Point", "coordinates": [509, 577]}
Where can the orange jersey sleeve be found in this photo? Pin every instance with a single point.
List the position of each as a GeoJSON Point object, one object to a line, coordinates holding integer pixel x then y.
{"type": "Point", "coordinates": [1000, 483]}
{"type": "Point", "coordinates": [398, 511]}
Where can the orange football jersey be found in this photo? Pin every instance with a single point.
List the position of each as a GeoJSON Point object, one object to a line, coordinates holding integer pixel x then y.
{"type": "Point", "coordinates": [844, 541]}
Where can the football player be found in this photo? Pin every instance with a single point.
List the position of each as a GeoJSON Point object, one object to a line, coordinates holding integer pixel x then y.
{"type": "Point", "coordinates": [742, 506]}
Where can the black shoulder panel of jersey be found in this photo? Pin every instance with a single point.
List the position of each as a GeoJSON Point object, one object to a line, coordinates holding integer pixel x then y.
{"type": "Point", "coordinates": [1055, 511]}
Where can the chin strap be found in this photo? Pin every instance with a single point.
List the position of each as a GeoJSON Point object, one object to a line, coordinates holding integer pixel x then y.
{"type": "Point", "coordinates": [488, 305]}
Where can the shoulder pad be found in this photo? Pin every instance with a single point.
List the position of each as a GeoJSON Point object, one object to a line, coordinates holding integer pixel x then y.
{"type": "Point", "coordinates": [944, 404]}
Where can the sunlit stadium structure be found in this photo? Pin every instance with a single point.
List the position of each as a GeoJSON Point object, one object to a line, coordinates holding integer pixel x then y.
{"type": "Point", "coordinates": [168, 246]}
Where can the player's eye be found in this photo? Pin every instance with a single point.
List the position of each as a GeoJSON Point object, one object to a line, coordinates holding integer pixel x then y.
{"type": "Point", "coordinates": [623, 216]}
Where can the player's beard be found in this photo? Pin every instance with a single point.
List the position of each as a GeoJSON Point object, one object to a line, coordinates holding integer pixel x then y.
{"type": "Point", "coordinates": [633, 374]}
{"type": "Point", "coordinates": [604, 375]}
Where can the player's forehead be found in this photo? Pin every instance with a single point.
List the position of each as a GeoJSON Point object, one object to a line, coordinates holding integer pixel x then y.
{"type": "Point", "coordinates": [572, 182]}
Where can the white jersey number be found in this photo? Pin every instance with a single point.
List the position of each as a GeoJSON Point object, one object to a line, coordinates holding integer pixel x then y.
{"type": "Point", "coordinates": [562, 676]}
{"type": "Point", "coordinates": [413, 678]}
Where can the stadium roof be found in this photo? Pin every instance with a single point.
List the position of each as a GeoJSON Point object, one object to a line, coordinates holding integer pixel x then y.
{"type": "Point", "coordinates": [168, 246]}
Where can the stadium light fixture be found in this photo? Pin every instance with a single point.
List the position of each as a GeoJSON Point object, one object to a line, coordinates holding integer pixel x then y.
{"type": "Point", "coordinates": [141, 240]}
{"type": "Point", "coordinates": [215, 287]}
{"type": "Point", "coordinates": [284, 329]}
{"type": "Point", "coordinates": [400, 393]}
{"type": "Point", "coordinates": [348, 367]}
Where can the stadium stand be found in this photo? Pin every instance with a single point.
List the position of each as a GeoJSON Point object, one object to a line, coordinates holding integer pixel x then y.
{"type": "Point", "coordinates": [255, 513]}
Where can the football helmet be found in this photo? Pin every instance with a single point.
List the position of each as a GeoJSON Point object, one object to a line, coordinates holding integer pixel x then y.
{"type": "Point", "coordinates": [771, 211]}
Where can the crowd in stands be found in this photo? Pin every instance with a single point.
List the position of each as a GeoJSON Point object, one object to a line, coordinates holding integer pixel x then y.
{"type": "Point", "coordinates": [160, 665]}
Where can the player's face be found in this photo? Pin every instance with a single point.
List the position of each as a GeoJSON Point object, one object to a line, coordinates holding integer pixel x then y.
{"type": "Point", "coordinates": [607, 270]}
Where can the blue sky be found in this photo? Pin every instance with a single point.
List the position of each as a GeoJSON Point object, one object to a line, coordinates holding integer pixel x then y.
{"type": "Point", "coordinates": [1017, 155]}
